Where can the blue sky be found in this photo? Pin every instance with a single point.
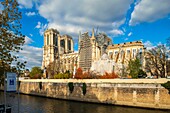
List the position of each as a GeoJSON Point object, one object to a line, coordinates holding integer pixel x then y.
{"type": "Point", "coordinates": [121, 20]}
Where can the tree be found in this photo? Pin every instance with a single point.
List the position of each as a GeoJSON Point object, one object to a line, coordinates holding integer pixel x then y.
{"type": "Point", "coordinates": [168, 56]}
{"type": "Point", "coordinates": [36, 72]}
{"type": "Point", "coordinates": [156, 61]}
{"type": "Point", "coordinates": [53, 68]}
{"type": "Point", "coordinates": [50, 70]}
{"type": "Point", "coordinates": [79, 73]}
{"type": "Point", "coordinates": [134, 67]}
{"type": "Point", "coordinates": [11, 39]}
{"type": "Point", "coordinates": [168, 47]}
{"type": "Point", "coordinates": [2, 67]}
{"type": "Point", "coordinates": [141, 74]}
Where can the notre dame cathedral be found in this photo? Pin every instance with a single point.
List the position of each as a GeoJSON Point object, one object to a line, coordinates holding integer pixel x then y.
{"type": "Point", "coordinates": [60, 49]}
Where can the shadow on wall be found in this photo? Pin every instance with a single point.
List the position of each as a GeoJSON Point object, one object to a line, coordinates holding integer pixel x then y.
{"type": "Point", "coordinates": [80, 92]}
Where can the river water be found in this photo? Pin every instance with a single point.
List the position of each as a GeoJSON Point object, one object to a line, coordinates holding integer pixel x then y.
{"type": "Point", "coordinates": [35, 104]}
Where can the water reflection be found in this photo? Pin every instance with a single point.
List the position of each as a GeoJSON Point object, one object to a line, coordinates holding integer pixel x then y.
{"type": "Point", "coordinates": [33, 104]}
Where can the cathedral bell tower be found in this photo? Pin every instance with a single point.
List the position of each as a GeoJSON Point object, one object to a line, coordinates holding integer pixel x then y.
{"type": "Point", "coordinates": [50, 46]}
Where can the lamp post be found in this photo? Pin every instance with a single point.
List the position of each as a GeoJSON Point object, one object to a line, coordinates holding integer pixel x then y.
{"type": "Point", "coordinates": [18, 84]}
{"type": "Point", "coordinates": [5, 91]}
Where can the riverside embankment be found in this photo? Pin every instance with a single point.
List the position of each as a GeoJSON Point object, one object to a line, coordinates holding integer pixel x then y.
{"type": "Point", "coordinates": [146, 93]}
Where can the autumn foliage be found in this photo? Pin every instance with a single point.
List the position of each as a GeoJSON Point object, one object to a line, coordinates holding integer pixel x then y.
{"type": "Point", "coordinates": [89, 75]}
{"type": "Point", "coordinates": [80, 75]}
{"type": "Point", "coordinates": [109, 76]}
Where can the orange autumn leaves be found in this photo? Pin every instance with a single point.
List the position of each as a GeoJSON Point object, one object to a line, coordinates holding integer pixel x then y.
{"type": "Point", "coordinates": [89, 75]}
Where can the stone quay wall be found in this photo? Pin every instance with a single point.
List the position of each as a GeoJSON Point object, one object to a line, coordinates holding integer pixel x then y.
{"type": "Point", "coordinates": [147, 93]}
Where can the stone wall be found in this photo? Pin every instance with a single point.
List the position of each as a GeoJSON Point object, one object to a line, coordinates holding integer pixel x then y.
{"type": "Point", "coordinates": [130, 92]}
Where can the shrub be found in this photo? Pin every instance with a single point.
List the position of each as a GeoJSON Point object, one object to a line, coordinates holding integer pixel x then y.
{"type": "Point", "coordinates": [36, 73]}
{"type": "Point", "coordinates": [128, 76]}
{"type": "Point", "coordinates": [141, 74]}
{"type": "Point", "coordinates": [40, 85]}
{"type": "Point", "coordinates": [109, 76]}
{"type": "Point", "coordinates": [86, 75]}
{"type": "Point", "coordinates": [62, 76]}
{"type": "Point", "coordinates": [84, 88]}
{"type": "Point", "coordinates": [91, 75]}
{"type": "Point", "coordinates": [58, 76]}
{"type": "Point", "coordinates": [166, 86]}
{"type": "Point", "coordinates": [71, 87]}
{"type": "Point", "coordinates": [79, 73]}
{"type": "Point", "coordinates": [36, 76]}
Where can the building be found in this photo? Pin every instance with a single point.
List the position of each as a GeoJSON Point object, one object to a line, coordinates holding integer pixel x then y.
{"type": "Point", "coordinates": [122, 53]}
{"type": "Point", "coordinates": [59, 49]}
{"type": "Point", "coordinates": [91, 48]}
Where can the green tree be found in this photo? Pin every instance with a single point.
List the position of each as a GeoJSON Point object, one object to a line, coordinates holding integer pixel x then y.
{"type": "Point", "coordinates": [142, 73]}
{"type": "Point", "coordinates": [36, 73]}
{"type": "Point", "coordinates": [134, 67]}
{"type": "Point", "coordinates": [11, 39]}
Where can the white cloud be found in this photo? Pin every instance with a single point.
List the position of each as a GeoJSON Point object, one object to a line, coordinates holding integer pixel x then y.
{"type": "Point", "coordinates": [31, 34]}
{"type": "Point", "coordinates": [117, 32]}
{"type": "Point", "coordinates": [26, 3]}
{"type": "Point", "coordinates": [83, 15]}
{"type": "Point", "coordinates": [42, 27]}
{"type": "Point", "coordinates": [28, 40]}
{"type": "Point", "coordinates": [126, 39]}
{"type": "Point", "coordinates": [117, 24]}
{"type": "Point", "coordinates": [149, 11]}
{"type": "Point", "coordinates": [30, 13]}
{"type": "Point", "coordinates": [31, 54]}
{"type": "Point", "coordinates": [38, 25]}
{"type": "Point", "coordinates": [68, 29]}
{"type": "Point", "coordinates": [124, 29]}
{"type": "Point", "coordinates": [129, 34]}
{"type": "Point", "coordinates": [148, 45]}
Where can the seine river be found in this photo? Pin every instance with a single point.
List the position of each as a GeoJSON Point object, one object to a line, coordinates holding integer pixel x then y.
{"type": "Point", "coordinates": [34, 104]}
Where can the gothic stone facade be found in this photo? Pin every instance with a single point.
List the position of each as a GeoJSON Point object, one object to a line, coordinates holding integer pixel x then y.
{"type": "Point", "coordinates": [59, 48]}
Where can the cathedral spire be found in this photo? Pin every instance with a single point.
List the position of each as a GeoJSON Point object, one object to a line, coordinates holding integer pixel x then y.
{"type": "Point", "coordinates": [93, 33]}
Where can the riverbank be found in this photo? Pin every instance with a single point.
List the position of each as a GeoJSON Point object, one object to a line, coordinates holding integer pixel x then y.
{"type": "Point", "coordinates": [38, 104]}
{"type": "Point", "coordinates": [147, 93]}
